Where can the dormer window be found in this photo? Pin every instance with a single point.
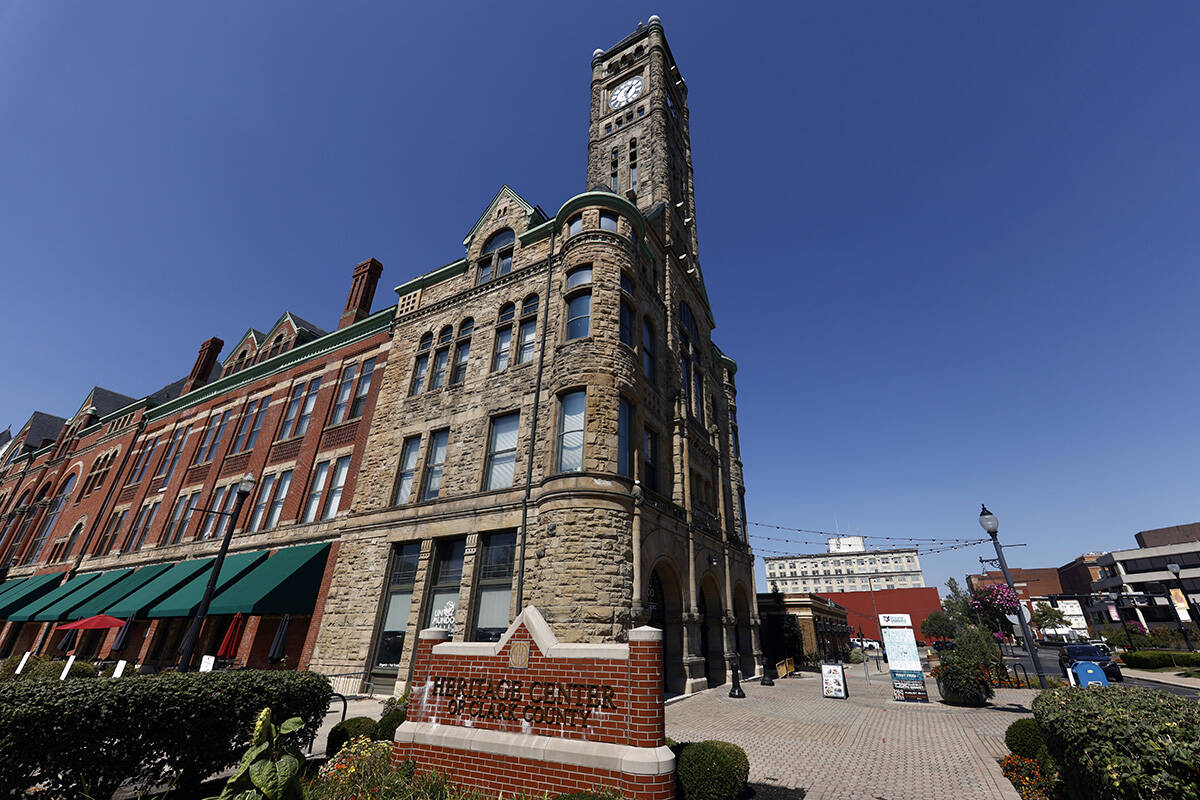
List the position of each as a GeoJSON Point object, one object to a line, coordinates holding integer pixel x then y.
{"type": "Point", "coordinates": [496, 258]}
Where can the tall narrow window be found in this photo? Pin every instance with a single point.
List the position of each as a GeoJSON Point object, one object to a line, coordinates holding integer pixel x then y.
{"type": "Point", "coordinates": [614, 174]}
{"type": "Point", "coordinates": [648, 356]}
{"type": "Point", "coordinates": [570, 431]}
{"type": "Point", "coordinates": [421, 367]}
{"type": "Point", "coordinates": [252, 422]}
{"type": "Point", "coordinates": [447, 576]}
{"type": "Point", "coordinates": [289, 415]}
{"type": "Point", "coordinates": [316, 488]}
{"type": "Point", "coordinates": [624, 443]}
{"type": "Point", "coordinates": [341, 401]}
{"type": "Point", "coordinates": [401, 581]}
{"type": "Point", "coordinates": [441, 358]}
{"type": "Point", "coordinates": [56, 507]}
{"type": "Point", "coordinates": [627, 324]}
{"type": "Point", "coordinates": [496, 259]}
{"type": "Point", "coordinates": [435, 460]}
{"type": "Point", "coordinates": [698, 395]}
{"type": "Point", "coordinates": [575, 225]}
{"type": "Point", "coordinates": [214, 504]}
{"type": "Point", "coordinates": [143, 460]}
{"type": "Point", "coordinates": [462, 349]}
{"type": "Point", "coordinates": [146, 518]}
{"type": "Point", "coordinates": [281, 490]}
{"type": "Point", "coordinates": [408, 469]}
{"type": "Point", "coordinates": [173, 520]}
{"type": "Point", "coordinates": [180, 529]}
{"type": "Point", "coordinates": [633, 158]}
{"type": "Point", "coordinates": [501, 452]}
{"type": "Point", "coordinates": [579, 303]}
{"type": "Point", "coordinates": [260, 505]}
{"type": "Point", "coordinates": [171, 458]}
{"type": "Point", "coordinates": [503, 337]}
{"type": "Point", "coordinates": [494, 588]}
{"type": "Point", "coordinates": [212, 436]}
{"type": "Point", "coordinates": [335, 487]}
{"type": "Point", "coordinates": [306, 409]}
{"type": "Point", "coordinates": [226, 519]}
{"type": "Point", "coordinates": [650, 469]}
{"type": "Point", "coordinates": [110, 532]}
{"type": "Point", "coordinates": [363, 389]}
{"type": "Point", "coordinates": [528, 329]}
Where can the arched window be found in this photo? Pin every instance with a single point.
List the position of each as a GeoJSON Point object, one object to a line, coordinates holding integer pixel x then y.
{"type": "Point", "coordinates": [462, 349]}
{"type": "Point", "coordinates": [421, 367]}
{"type": "Point", "coordinates": [76, 532]}
{"type": "Point", "coordinates": [496, 258]}
{"type": "Point", "coordinates": [579, 302]}
{"type": "Point", "coordinates": [51, 517]}
{"type": "Point", "coordinates": [504, 330]}
{"type": "Point", "coordinates": [19, 520]}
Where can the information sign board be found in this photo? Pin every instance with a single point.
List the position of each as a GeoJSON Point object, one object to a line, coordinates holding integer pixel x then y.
{"type": "Point", "coordinates": [833, 681]}
{"type": "Point", "coordinates": [909, 686]}
{"type": "Point", "coordinates": [908, 681]}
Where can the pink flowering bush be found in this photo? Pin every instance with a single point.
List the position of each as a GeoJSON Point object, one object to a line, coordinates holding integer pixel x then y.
{"type": "Point", "coordinates": [995, 600]}
{"type": "Point", "coordinates": [998, 636]}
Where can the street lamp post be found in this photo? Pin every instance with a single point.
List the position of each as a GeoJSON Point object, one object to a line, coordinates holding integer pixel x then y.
{"type": "Point", "coordinates": [245, 487]}
{"type": "Point", "coordinates": [990, 524]}
{"type": "Point", "coordinates": [1174, 570]}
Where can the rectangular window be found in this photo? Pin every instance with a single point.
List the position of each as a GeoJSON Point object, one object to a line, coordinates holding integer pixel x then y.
{"type": "Point", "coordinates": [458, 373]}
{"type": "Point", "coordinates": [316, 488]}
{"type": "Point", "coordinates": [139, 531]}
{"type": "Point", "coordinates": [633, 177]}
{"type": "Point", "coordinates": [335, 488]}
{"type": "Point", "coordinates": [435, 460]}
{"type": "Point", "coordinates": [408, 469]}
{"type": "Point", "coordinates": [608, 221]}
{"type": "Point", "coordinates": [300, 408]}
{"type": "Point", "coordinates": [281, 489]}
{"type": "Point", "coordinates": [252, 421]}
{"type": "Point", "coordinates": [501, 452]}
{"type": "Point", "coordinates": [260, 505]}
{"type": "Point", "coordinates": [575, 225]}
{"type": "Point", "coordinates": [212, 437]}
{"type": "Point", "coordinates": [110, 532]}
{"type": "Point", "coordinates": [418, 381]}
{"type": "Point", "coordinates": [525, 341]}
{"type": "Point", "coordinates": [172, 456]}
{"type": "Point", "coordinates": [650, 460]}
{"type": "Point", "coordinates": [698, 395]}
{"type": "Point", "coordinates": [177, 512]}
{"type": "Point", "coordinates": [579, 314]}
{"type": "Point", "coordinates": [214, 504]}
{"type": "Point", "coordinates": [402, 578]}
{"type": "Point", "coordinates": [310, 400]}
{"type": "Point", "coordinates": [143, 460]}
{"type": "Point", "coordinates": [341, 401]}
{"type": "Point", "coordinates": [364, 389]}
{"type": "Point", "coordinates": [226, 519]}
{"type": "Point", "coordinates": [440, 359]}
{"type": "Point", "coordinates": [626, 321]}
{"type": "Point", "coordinates": [179, 529]}
{"type": "Point", "coordinates": [503, 344]}
{"type": "Point", "coordinates": [624, 447]}
{"type": "Point", "coordinates": [570, 431]}
{"type": "Point", "coordinates": [494, 588]}
{"type": "Point", "coordinates": [648, 351]}
{"type": "Point", "coordinates": [447, 576]}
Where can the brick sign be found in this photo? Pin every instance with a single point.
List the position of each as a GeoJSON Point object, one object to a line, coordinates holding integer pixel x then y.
{"type": "Point", "coordinates": [531, 715]}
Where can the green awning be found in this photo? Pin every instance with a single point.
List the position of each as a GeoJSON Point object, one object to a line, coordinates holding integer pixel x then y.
{"type": "Point", "coordinates": [29, 610]}
{"type": "Point", "coordinates": [183, 601]}
{"type": "Point", "coordinates": [136, 604]}
{"type": "Point", "coordinates": [286, 583]}
{"type": "Point", "coordinates": [129, 584]}
{"type": "Point", "coordinates": [60, 611]}
{"type": "Point", "coordinates": [27, 591]}
{"type": "Point", "coordinates": [9, 584]}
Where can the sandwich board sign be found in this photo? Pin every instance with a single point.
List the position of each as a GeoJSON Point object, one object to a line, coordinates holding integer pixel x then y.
{"type": "Point", "coordinates": [833, 681]}
{"type": "Point", "coordinates": [908, 681]}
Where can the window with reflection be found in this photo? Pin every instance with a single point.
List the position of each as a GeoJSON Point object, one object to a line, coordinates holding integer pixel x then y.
{"type": "Point", "coordinates": [493, 588]}
{"type": "Point", "coordinates": [444, 584]}
{"type": "Point", "coordinates": [496, 258]}
{"type": "Point", "coordinates": [398, 601]}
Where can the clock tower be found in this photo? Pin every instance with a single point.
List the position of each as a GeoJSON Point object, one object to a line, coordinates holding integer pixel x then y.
{"type": "Point", "coordinates": [639, 144]}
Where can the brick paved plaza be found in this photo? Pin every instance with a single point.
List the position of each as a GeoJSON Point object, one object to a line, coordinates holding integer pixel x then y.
{"type": "Point", "coordinates": [868, 746]}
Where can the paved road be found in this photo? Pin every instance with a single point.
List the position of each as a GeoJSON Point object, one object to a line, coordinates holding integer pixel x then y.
{"type": "Point", "coordinates": [1048, 656]}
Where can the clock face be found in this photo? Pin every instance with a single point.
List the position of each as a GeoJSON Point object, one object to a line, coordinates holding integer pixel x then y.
{"type": "Point", "coordinates": [627, 92]}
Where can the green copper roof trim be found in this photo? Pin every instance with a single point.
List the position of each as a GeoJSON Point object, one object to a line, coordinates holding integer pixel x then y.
{"type": "Point", "coordinates": [438, 275]}
{"type": "Point", "coordinates": [362, 329]}
{"type": "Point", "coordinates": [531, 212]}
{"type": "Point", "coordinates": [607, 199]}
{"type": "Point", "coordinates": [536, 234]}
{"type": "Point", "coordinates": [724, 359]}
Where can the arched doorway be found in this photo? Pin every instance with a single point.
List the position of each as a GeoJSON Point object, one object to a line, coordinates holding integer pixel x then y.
{"type": "Point", "coordinates": [665, 604]}
{"type": "Point", "coordinates": [712, 642]}
{"type": "Point", "coordinates": [745, 644]}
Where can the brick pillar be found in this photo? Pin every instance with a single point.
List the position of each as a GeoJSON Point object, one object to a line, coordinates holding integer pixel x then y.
{"type": "Point", "coordinates": [647, 718]}
{"type": "Point", "coordinates": [314, 625]}
{"type": "Point", "coordinates": [421, 659]}
{"type": "Point", "coordinates": [249, 633]}
{"type": "Point", "coordinates": [151, 631]}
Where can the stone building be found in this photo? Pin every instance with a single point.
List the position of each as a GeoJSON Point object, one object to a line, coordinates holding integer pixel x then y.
{"type": "Point", "coordinates": [557, 426]}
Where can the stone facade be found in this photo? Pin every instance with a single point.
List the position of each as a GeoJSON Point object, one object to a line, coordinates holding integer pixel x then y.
{"type": "Point", "coordinates": [632, 514]}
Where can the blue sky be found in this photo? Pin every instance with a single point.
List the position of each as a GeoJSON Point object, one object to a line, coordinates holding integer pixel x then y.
{"type": "Point", "coordinates": [952, 246]}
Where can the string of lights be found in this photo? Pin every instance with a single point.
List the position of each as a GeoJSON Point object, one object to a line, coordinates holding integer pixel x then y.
{"type": "Point", "coordinates": [937, 546]}
{"type": "Point", "coordinates": [921, 552]}
{"type": "Point", "coordinates": [943, 539]}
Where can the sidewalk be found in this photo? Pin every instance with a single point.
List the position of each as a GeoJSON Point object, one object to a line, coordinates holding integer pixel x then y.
{"type": "Point", "coordinates": [1161, 677]}
{"type": "Point", "coordinates": [866, 747]}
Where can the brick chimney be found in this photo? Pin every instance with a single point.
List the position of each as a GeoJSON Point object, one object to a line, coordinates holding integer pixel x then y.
{"type": "Point", "coordinates": [206, 359]}
{"type": "Point", "coordinates": [362, 292]}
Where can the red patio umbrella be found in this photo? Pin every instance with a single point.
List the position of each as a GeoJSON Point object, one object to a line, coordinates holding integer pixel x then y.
{"type": "Point", "coordinates": [233, 636]}
{"type": "Point", "coordinates": [92, 623]}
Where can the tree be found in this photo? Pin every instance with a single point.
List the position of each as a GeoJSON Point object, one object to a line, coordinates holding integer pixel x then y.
{"type": "Point", "coordinates": [1047, 617]}
{"type": "Point", "coordinates": [938, 625]}
{"type": "Point", "coordinates": [957, 605]}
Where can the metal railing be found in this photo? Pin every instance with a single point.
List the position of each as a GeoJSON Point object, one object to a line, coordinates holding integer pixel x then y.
{"type": "Point", "coordinates": [352, 684]}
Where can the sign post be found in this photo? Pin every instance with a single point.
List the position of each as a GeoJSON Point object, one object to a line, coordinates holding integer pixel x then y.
{"type": "Point", "coordinates": [908, 681]}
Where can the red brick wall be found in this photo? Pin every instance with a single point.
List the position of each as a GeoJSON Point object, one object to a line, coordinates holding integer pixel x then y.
{"type": "Point", "coordinates": [612, 701]}
{"type": "Point", "coordinates": [918, 603]}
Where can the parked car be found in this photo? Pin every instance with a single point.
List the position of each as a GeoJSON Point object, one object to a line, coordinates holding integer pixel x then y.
{"type": "Point", "coordinates": [865, 644]}
{"type": "Point", "coordinates": [945, 645]}
{"type": "Point", "coordinates": [1074, 653]}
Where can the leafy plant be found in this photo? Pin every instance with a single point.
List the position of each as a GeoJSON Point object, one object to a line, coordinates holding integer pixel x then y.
{"type": "Point", "coordinates": [1046, 616]}
{"type": "Point", "coordinates": [1122, 743]}
{"type": "Point", "coordinates": [346, 730]}
{"type": "Point", "coordinates": [270, 770]}
{"type": "Point", "coordinates": [362, 770]}
{"type": "Point", "coordinates": [1151, 659]}
{"type": "Point", "coordinates": [938, 626]}
{"type": "Point", "coordinates": [42, 668]}
{"type": "Point", "coordinates": [1024, 738]}
{"type": "Point", "coordinates": [855, 656]}
{"type": "Point", "coordinates": [973, 646]}
{"type": "Point", "coordinates": [385, 729]}
{"type": "Point", "coordinates": [964, 684]}
{"type": "Point", "coordinates": [711, 770]}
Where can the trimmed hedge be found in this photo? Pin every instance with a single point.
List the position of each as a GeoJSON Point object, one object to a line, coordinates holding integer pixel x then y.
{"type": "Point", "coordinates": [346, 730]}
{"type": "Point", "coordinates": [711, 770]}
{"type": "Point", "coordinates": [1122, 743]}
{"type": "Point", "coordinates": [1150, 659]}
{"type": "Point", "coordinates": [1024, 738]}
{"type": "Point", "coordinates": [385, 729]}
{"type": "Point", "coordinates": [87, 737]}
{"type": "Point", "coordinates": [42, 667]}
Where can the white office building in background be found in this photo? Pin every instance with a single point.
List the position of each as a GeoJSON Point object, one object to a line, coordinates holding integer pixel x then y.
{"type": "Point", "coordinates": [847, 567]}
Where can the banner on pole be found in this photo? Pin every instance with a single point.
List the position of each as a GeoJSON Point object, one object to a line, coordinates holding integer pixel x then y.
{"type": "Point", "coordinates": [1181, 606]}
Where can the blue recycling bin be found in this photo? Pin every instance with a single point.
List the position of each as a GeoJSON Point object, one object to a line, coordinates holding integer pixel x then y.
{"type": "Point", "coordinates": [1088, 674]}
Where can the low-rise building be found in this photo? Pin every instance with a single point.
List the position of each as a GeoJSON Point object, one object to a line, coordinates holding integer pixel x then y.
{"type": "Point", "coordinates": [823, 622]}
{"type": "Point", "coordinates": [1141, 580]}
{"type": "Point", "coordinates": [848, 566]}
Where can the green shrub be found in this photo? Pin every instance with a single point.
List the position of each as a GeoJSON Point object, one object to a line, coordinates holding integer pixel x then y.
{"type": "Point", "coordinates": [1024, 738]}
{"type": "Point", "coordinates": [86, 737]}
{"type": "Point", "coordinates": [964, 684]}
{"type": "Point", "coordinates": [711, 770]}
{"type": "Point", "coordinates": [855, 656]}
{"type": "Point", "coordinates": [393, 703]}
{"type": "Point", "coordinates": [385, 729]}
{"type": "Point", "coordinates": [1151, 659]}
{"type": "Point", "coordinates": [346, 730]}
{"type": "Point", "coordinates": [973, 645]}
{"type": "Point", "coordinates": [1122, 743]}
{"type": "Point", "coordinates": [42, 667]}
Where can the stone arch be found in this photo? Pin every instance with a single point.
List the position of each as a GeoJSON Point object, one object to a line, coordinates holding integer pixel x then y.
{"type": "Point", "coordinates": [664, 602]}
{"type": "Point", "coordinates": [712, 630]}
{"type": "Point", "coordinates": [742, 637]}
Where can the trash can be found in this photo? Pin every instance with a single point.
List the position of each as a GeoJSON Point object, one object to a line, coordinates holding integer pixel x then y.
{"type": "Point", "coordinates": [1087, 673]}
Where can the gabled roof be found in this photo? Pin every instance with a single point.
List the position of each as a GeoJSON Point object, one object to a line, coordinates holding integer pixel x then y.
{"type": "Point", "coordinates": [304, 329]}
{"type": "Point", "coordinates": [41, 427]}
{"type": "Point", "coordinates": [534, 214]}
{"type": "Point", "coordinates": [105, 401]}
{"type": "Point", "coordinates": [304, 325]}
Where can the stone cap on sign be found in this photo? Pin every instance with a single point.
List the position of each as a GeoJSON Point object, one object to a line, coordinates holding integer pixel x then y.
{"type": "Point", "coordinates": [547, 643]}
{"type": "Point", "coordinates": [645, 634]}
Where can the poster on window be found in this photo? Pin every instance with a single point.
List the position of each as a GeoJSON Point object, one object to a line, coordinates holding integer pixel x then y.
{"type": "Point", "coordinates": [833, 681]}
{"type": "Point", "coordinates": [1181, 606]}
